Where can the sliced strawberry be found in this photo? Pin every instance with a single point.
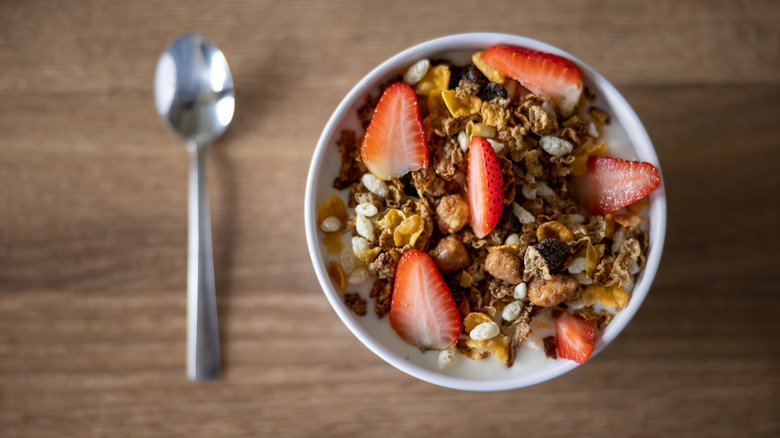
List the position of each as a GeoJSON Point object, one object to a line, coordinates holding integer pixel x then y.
{"type": "Point", "coordinates": [574, 337]}
{"type": "Point", "coordinates": [543, 73]}
{"type": "Point", "coordinates": [610, 184]}
{"type": "Point", "coordinates": [395, 140]}
{"type": "Point", "coordinates": [422, 310]}
{"type": "Point", "coordinates": [485, 186]}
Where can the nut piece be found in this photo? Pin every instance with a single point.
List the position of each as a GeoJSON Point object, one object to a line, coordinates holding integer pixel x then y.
{"type": "Point", "coordinates": [504, 265]}
{"type": "Point", "coordinates": [450, 254]}
{"type": "Point", "coordinates": [551, 292]}
{"type": "Point", "coordinates": [452, 214]}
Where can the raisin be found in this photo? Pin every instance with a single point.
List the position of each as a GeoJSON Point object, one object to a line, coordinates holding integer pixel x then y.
{"type": "Point", "coordinates": [456, 73]}
{"type": "Point", "coordinates": [409, 189]}
{"type": "Point", "coordinates": [553, 252]}
{"type": "Point", "coordinates": [509, 222]}
{"type": "Point", "coordinates": [472, 73]}
{"type": "Point", "coordinates": [491, 91]}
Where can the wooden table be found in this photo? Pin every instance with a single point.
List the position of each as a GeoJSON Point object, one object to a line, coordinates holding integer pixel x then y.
{"type": "Point", "coordinates": [93, 224]}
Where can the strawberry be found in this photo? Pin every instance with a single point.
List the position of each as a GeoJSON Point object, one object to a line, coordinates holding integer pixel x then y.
{"type": "Point", "coordinates": [485, 187]}
{"type": "Point", "coordinates": [574, 337]}
{"type": "Point", "coordinates": [395, 140]}
{"type": "Point", "coordinates": [552, 76]}
{"type": "Point", "coordinates": [422, 310]}
{"type": "Point", "coordinates": [610, 184]}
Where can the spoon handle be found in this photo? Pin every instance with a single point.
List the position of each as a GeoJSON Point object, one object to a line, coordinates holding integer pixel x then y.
{"type": "Point", "coordinates": [203, 359]}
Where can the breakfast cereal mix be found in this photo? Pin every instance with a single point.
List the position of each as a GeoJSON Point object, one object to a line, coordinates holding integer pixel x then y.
{"type": "Point", "coordinates": [481, 195]}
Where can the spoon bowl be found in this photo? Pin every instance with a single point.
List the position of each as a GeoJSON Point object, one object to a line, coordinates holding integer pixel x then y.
{"type": "Point", "coordinates": [193, 91]}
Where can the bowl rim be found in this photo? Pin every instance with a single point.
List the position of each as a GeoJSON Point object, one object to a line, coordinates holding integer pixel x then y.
{"type": "Point", "coordinates": [622, 111]}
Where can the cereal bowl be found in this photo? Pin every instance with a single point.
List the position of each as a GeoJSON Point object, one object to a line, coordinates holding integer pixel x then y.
{"type": "Point", "coordinates": [627, 139]}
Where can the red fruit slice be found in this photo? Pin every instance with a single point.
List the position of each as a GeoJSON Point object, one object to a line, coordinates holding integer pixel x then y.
{"type": "Point", "coordinates": [610, 184]}
{"type": "Point", "coordinates": [574, 337]}
{"type": "Point", "coordinates": [485, 186]}
{"type": "Point", "coordinates": [422, 310]}
{"type": "Point", "coordinates": [543, 73]}
{"type": "Point", "coordinates": [395, 140]}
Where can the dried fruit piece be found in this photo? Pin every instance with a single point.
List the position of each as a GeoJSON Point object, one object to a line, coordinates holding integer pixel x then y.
{"type": "Point", "coordinates": [611, 183]}
{"type": "Point", "coordinates": [485, 187]}
{"type": "Point", "coordinates": [422, 310]}
{"type": "Point", "coordinates": [574, 337]}
{"type": "Point", "coordinates": [395, 140]}
{"type": "Point", "coordinates": [549, 75]}
{"type": "Point", "coordinates": [553, 251]}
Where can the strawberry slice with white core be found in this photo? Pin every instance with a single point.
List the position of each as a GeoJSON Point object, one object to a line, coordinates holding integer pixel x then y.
{"type": "Point", "coordinates": [485, 187]}
{"type": "Point", "coordinates": [610, 184]}
{"type": "Point", "coordinates": [395, 142]}
{"type": "Point", "coordinates": [422, 310]}
{"type": "Point", "coordinates": [574, 337]}
{"type": "Point", "coordinates": [551, 76]}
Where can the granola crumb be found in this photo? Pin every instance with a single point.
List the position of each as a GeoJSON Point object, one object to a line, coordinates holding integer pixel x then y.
{"type": "Point", "coordinates": [549, 347]}
{"type": "Point", "coordinates": [355, 302]}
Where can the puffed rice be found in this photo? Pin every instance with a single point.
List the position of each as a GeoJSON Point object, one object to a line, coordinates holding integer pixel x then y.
{"type": "Point", "coordinates": [349, 262]}
{"type": "Point", "coordinates": [593, 131]}
{"type": "Point", "coordinates": [633, 268]}
{"type": "Point", "coordinates": [512, 239]}
{"type": "Point", "coordinates": [363, 227]}
{"type": "Point", "coordinates": [463, 141]}
{"type": "Point", "coordinates": [523, 215]}
{"type": "Point", "coordinates": [485, 331]}
{"type": "Point", "coordinates": [545, 191]}
{"type": "Point", "coordinates": [375, 185]}
{"type": "Point", "coordinates": [555, 146]}
{"type": "Point", "coordinates": [359, 244]}
{"type": "Point", "coordinates": [577, 265]}
{"type": "Point", "coordinates": [366, 209]}
{"type": "Point", "coordinates": [582, 278]}
{"type": "Point", "coordinates": [520, 291]}
{"type": "Point", "coordinates": [497, 145]}
{"type": "Point", "coordinates": [417, 71]}
{"type": "Point", "coordinates": [358, 276]}
{"type": "Point", "coordinates": [446, 358]}
{"type": "Point", "coordinates": [512, 310]}
{"type": "Point", "coordinates": [330, 224]}
{"type": "Point", "coordinates": [618, 239]}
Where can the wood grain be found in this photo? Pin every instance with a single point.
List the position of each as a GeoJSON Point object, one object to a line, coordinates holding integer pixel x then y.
{"type": "Point", "coordinates": [93, 225]}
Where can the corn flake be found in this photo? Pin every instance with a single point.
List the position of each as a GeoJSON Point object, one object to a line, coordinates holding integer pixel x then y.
{"type": "Point", "coordinates": [474, 319]}
{"type": "Point", "coordinates": [461, 106]}
{"type": "Point", "coordinates": [333, 243]}
{"type": "Point", "coordinates": [337, 276]}
{"type": "Point", "coordinates": [480, 130]}
{"type": "Point", "coordinates": [369, 256]}
{"type": "Point", "coordinates": [491, 73]}
{"type": "Point", "coordinates": [409, 230]}
{"type": "Point", "coordinates": [435, 81]}
{"type": "Point", "coordinates": [335, 207]}
{"type": "Point", "coordinates": [612, 296]}
{"type": "Point", "coordinates": [392, 219]}
{"type": "Point", "coordinates": [593, 255]}
{"type": "Point", "coordinates": [498, 346]}
{"type": "Point", "coordinates": [553, 230]}
{"type": "Point", "coordinates": [582, 153]}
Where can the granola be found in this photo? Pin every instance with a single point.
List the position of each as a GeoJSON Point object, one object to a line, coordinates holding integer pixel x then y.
{"type": "Point", "coordinates": [547, 250]}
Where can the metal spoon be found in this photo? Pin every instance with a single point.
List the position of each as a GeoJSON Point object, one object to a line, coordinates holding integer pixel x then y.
{"type": "Point", "coordinates": [193, 91]}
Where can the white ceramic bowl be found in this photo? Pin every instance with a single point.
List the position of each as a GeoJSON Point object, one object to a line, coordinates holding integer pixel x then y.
{"type": "Point", "coordinates": [626, 132]}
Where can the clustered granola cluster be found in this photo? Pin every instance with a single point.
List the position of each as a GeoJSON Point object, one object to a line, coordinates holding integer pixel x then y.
{"type": "Point", "coordinates": [545, 252]}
